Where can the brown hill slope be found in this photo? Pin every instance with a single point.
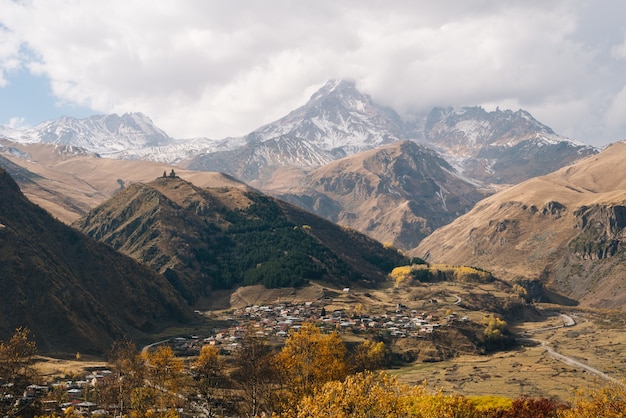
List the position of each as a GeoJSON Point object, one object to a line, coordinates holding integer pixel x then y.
{"type": "Point", "coordinates": [567, 228]}
{"type": "Point", "coordinates": [68, 182]}
{"type": "Point", "coordinates": [203, 239]}
{"type": "Point", "coordinates": [73, 293]}
{"type": "Point", "coordinates": [398, 193]}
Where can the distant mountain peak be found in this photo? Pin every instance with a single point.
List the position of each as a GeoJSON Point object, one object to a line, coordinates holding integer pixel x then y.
{"type": "Point", "coordinates": [102, 134]}
{"type": "Point", "coordinates": [336, 87]}
{"type": "Point", "coordinates": [338, 117]}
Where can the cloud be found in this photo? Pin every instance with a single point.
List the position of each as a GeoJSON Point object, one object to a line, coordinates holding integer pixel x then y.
{"type": "Point", "coordinates": [17, 123]}
{"type": "Point", "coordinates": [9, 54]}
{"type": "Point", "coordinates": [615, 116]}
{"type": "Point", "coordinates": [619, 51]}
{"type": "Point", "coordinates": [212, 68]}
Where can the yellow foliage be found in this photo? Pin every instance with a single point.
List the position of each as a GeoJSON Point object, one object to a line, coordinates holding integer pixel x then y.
{"type": "Point", "coordinates": [401, 271]}
{"type": "Point", "coordinates": [166, 372]}
{"type": "Point", "coordinates": [361, 395]}
{"type": "Point", "coordinates": [495, 329]}
{"type": "Point", "coordinates": [471, 274]}
{"type": "Point", "coordinates": [209, 356]}
{"type": "Point", "coordinates": [380, 395]}
{"type": "Point", "coordinates": [308, 360]}
{"type": "Point", "coordinates": [609, 401]}
{"type": "Point", "coordinates": [442, 406]}
{"type": "Point", "coordinates": [490, 402]}
{"type": "Point", "coordinates": [520, 290]}
{"type": "Point", "coordinates": [401, 275]}
{"type": "Point", "coordinates": [370, 355]}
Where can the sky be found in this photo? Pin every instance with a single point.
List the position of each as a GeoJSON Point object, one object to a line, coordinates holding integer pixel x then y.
{"type": "Point", "coordinates": [209, 68]}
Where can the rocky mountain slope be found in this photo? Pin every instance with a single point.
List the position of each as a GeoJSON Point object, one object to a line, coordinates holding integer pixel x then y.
{"type": "Point", "coordinates": [337, 121]}
{"type": "Point", "coordinates": [496, 147]}
{"type": "Point", "coordinates": [566, 228]}
{"type": "Point", "coordinates": [204, 239]}
{"type": "Point", "coordinates": [258, 162]}
{"type": "Point", "coordinates": [130, 136]}
{"type": "Point", "coordinates": [101, 134]}
{"type": "Point", "coordinates": [73, 293]}
{"type": "Point", "coordinates": [397, 193]}
{"type": "Point", "coordinates": [285, 157]}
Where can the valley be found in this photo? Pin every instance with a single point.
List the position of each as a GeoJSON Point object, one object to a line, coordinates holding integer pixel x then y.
{"type": "Point", "coordinates": [594, 339]}
{"type": "Point", "coordinates": [482, 249]}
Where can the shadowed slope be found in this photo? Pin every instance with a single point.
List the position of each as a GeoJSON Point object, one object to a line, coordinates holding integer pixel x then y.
{"type": "Point", "coordinates": [71, 291]}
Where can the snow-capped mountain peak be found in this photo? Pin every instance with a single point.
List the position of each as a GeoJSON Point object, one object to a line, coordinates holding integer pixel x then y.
{"type": "Point", "coordinates": [102, 134]}
{"type": "Point", "coordinates": [338, 117]}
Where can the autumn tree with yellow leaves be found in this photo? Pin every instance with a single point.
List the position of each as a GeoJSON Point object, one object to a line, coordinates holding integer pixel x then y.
{"type": "Point", "coordinates": [370, 355]}
{"type": "Point", "coordinates": [166, 378]}
{"type": "Point", "coordinates": [308, 360]}
{"type": "Point", "coordinates": [129, 374]}
{"type": "Point", "coordinates": [608, 401]}
{"type": "Point", "coordinates": [372, 394]}
{"type": "Point", "coordinates": [208, 372]}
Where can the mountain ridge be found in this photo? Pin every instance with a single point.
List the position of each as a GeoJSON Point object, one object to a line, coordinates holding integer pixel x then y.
{"type": "Point", "coordinates": [398, 193]}
{"type": "Point", "coordinates": [72, 292]}
{"type": "Point", "coordinates": [202, 239]}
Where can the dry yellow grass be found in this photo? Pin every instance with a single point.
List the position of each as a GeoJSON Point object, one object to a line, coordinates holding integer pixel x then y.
{"type": "Point", "coordinates": [51, 368]}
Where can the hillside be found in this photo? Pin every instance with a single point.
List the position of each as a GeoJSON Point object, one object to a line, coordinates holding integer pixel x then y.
{"type": "Point", "coordinates": [204, 239]}
{"type": "Point", "coordinates": [398, 193]}
{"type": "Point", "coordinates": [73, 293]}
{"type": "Point", "coordinates": [69, 182]}
{"type": "Point", "coordinates": [566, 228]}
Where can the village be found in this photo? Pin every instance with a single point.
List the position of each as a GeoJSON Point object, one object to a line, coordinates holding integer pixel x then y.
{"type": "Point", "coordinates": [276, 321]}
{"type": "Point", "coordinates": [273, 322]}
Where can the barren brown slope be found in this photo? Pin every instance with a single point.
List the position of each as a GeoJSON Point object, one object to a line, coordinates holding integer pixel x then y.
{"type": "Point", "coordinates": [71, 182]}
{"type": "Point", "coordinates": [567, 228]}
{"type": "Point", "coordinates": [398, 193]}
{"type": "Point", "coordinates": [72, 292]}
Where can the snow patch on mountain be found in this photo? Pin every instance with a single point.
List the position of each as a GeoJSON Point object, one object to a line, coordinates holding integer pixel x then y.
{"type": "Point", "coordinates": [337, 121]}
{"type": "Point", "coordinates": [338, 116]}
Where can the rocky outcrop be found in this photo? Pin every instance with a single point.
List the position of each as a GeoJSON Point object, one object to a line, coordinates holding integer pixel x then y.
{"type": "Point", "coordinates": [602, 231]}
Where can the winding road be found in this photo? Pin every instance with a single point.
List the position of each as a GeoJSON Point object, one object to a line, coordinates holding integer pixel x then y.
{"type": "Point", "coordinates": [568, 321]}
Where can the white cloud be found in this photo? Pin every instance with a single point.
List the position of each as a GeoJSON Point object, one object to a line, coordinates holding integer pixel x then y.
{"type": "Point", "coordinates": [9, 54]}
{"type": "Point", "coordinates": [17, 123]}
{"type": "Point", "coordinates": [619, 51]}
{"type": "Point", "coordinates": [616, 115]}
{"type": "Point", "coordinates": [212, 68]}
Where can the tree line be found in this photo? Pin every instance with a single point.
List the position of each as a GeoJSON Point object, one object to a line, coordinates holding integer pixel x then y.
{"type": "Point", "coordinates": [314, 374]}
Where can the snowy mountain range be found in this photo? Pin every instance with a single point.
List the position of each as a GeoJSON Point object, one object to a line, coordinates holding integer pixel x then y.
{"type": "Point", "coordinates": [337, 121]}
{"type": "Point", "coordinates": [130, 136]}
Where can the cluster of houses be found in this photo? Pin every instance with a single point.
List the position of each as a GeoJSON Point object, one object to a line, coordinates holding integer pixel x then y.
{"type": "Point", "coordinates": [75, 394]}
{"type": "Point", "coordinates": [279, 319]}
